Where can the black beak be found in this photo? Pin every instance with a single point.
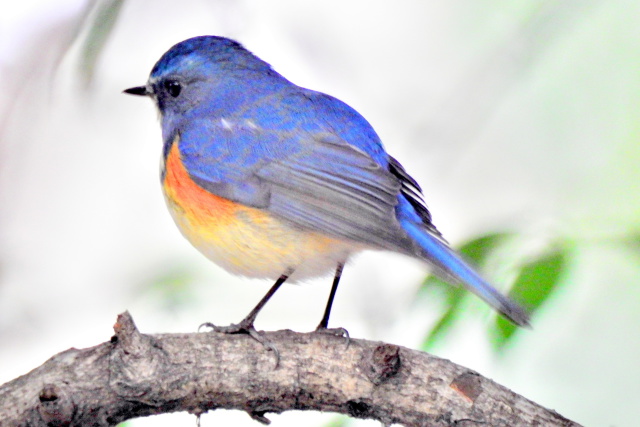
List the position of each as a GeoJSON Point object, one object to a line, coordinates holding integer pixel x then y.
{"type": "Point", "coordinates": [138, 90]}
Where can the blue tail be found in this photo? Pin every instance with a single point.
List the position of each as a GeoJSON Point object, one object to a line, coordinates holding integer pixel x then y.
{"type": "Point", "coordinates": [454, 269]}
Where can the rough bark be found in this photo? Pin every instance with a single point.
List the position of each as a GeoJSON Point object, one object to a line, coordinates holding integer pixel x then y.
{"type": "Point", "coordinates": [135, 375]}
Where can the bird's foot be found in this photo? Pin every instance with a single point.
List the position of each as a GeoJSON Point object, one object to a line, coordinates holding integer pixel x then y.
{"type": "Point", "coordinates": [336, 332]}
{"type": "Point", "coordinates": [245, 327]}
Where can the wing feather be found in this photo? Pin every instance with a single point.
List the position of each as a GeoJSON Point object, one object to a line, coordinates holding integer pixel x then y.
{"type": "Point", "coordinates": [336, 189]}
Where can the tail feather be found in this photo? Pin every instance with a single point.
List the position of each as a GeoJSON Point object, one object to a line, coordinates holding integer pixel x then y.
{"type": "Point", "coordinates": [453, 268]}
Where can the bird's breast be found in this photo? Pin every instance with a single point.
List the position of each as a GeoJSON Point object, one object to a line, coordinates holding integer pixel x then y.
{"type": "Point", "coordinates": [245, 240]}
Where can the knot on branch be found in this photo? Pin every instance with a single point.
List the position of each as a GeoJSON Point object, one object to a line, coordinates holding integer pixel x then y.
{"type": "Point", "coordinates": [55, 406]}
{"type": "Point", "coordinates": [382, 363]}
{"type": "Point", "coordinates": [468, 385]}
{"type": "Point", "coordinates": [135, 363]}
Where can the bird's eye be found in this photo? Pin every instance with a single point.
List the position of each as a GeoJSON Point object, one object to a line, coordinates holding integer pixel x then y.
{"type": "Point", "coordinates": [173, 87]}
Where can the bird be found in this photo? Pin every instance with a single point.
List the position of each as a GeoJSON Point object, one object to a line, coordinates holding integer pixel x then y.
{"type": "Point", "coordinates": [272, 180]}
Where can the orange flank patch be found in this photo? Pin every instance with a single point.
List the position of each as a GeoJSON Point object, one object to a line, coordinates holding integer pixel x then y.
{"type": "Point", "coordinates": [242, 239]}
{"type": "Point", "coordinates": [196, 203]}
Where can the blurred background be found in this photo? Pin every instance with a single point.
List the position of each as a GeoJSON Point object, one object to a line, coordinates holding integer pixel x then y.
{"type": "Point", "coordinates": [519, 119]}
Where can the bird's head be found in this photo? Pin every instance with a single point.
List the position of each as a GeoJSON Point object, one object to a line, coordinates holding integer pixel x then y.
{"type": "Point", "coordinates": [203, 68]}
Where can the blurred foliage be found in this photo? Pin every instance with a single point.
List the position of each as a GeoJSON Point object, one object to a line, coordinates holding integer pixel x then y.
{"type": "Point", "coordinates": [173, 288]}
{"type": "Point", "coordinates": [633, 242]}
{"type": "Point", "coordinates": [100, 23]}
{"type": "Point", "coordinates": [339, 421]}
{"type": "Point", "coordinates": [535, 282]}
{"type": "Point", "coordinates": [453, 297]}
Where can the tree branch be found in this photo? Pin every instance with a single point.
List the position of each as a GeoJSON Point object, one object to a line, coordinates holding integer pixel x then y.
{"type": "Point", "coordinates": [136, 375]}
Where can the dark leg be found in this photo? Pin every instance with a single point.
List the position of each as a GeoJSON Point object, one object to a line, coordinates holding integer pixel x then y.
{"type": "Point", "coordinates": [247, 322]}
{"type": "Point", "coordinates": [246, 325]}
{"type": "Point", "coordinates": [323, 326]}
{"type": "Point", "coordinates": [324, 323]}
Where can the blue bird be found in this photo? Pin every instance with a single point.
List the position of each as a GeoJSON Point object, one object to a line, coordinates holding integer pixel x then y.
{"type": "Point", "coordinates": [272, 180]}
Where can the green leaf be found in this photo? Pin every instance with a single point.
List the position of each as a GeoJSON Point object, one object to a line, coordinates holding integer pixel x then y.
{"type": "Point", "coordinates": [535, 283]}
{"type": "Point", "coordinates": [454, 297]}
{"type": "Point", "coordinates": [477, 250]}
